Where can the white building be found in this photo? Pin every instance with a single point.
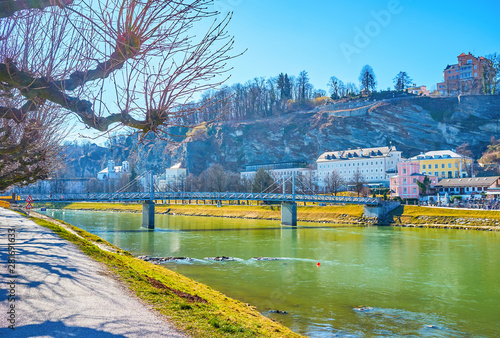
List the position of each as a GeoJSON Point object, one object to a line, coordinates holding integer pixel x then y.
{"type": "Point", "coordinates": [114, 172]}
{"type": "Point", "coordinates": [173, 177]}
{"type": "Point", "coordinates": [374, 164]}
{"type": "Point", "coordinates": [277, 170]}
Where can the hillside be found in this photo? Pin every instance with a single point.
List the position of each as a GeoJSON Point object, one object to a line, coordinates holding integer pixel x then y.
{"type": "Point", "coordinates": [412, 124]}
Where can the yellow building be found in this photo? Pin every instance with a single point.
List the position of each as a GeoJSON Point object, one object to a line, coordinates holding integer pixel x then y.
{"type": "Point", "coordinates": [444, 164]}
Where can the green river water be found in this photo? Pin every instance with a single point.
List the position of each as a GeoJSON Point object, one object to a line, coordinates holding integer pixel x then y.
{"type": "Point", "coordinates": [414, 282]}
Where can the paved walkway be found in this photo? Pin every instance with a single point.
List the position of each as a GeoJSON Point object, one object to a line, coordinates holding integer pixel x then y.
{"type": "Point", "coordinates": [61, 292]}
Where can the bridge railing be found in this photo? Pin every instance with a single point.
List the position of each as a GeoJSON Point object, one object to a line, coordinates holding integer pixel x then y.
{"type": "Point", "coordinates": [143, 196]}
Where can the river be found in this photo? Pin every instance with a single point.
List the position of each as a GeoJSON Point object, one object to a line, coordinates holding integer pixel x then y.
{"type": "Point", "coordinates": [370, 281]}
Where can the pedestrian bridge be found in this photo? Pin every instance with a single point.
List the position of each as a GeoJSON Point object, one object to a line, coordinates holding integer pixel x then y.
{"type": "Point", "coordinates": [288, 201]}
{"type": "Point", "coordinates": [216, 196]}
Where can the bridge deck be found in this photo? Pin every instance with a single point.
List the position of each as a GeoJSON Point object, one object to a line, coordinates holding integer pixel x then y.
{"type": "Point", "coordinates": [228, 196]}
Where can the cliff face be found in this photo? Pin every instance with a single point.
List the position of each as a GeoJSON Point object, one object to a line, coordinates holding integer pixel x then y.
{"type": "Point", "coordinates": [413, 125]}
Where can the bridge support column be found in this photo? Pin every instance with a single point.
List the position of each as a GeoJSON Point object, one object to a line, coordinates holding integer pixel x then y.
{"type": "Point", "coordinates": [148, 214]}
{"type": "Point", "coordinates": [289, 213]}
{"type": "Point", "coordinates": [373, 211]}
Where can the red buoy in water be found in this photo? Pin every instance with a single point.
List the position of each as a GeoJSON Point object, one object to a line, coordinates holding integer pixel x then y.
{"type": "Point", "coordinates": [318, 264]}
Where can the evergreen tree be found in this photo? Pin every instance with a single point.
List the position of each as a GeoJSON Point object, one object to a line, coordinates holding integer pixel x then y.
{"type": "Point", "coordinates": [402, 81]}
{"type": "Point", "coordinates": [367, 78]}
{"type": "Point", "coordinates": [262, 181]}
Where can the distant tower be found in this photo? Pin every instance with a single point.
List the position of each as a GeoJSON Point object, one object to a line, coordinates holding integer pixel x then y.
{"type": "Point", "coordinates": [125, 166]}
{"type": "Point", "coordinates": [111, 166]}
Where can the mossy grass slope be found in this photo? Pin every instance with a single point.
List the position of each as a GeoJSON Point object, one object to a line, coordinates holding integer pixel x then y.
{"type": "Point", "coordinates": [194, 308]}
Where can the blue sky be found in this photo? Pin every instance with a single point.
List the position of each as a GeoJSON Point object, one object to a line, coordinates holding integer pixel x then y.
{"type": "Point", "coordinates": [338, 37]}
{"type": "Point", "coordinates": [322, 37]}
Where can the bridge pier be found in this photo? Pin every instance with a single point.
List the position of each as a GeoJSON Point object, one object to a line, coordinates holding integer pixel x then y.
{"type": "Point", "coordinates": [379, 211]}
{"type": "Point", "coordinates": [373, 211]}
{"type": "Point", "coordinates": [148, 214]}
{"type": "Point", "coordinates": [289, 213]}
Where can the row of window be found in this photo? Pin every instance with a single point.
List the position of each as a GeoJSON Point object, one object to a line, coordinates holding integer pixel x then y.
{"type": "Point", "coordinates": [466, 189]}
{"type": "Point", "coordinates": [339, 165]}
{"type": "Point", "coordinates": [429, 166]}
{"type": "Point", "coordinates": [443, 174]}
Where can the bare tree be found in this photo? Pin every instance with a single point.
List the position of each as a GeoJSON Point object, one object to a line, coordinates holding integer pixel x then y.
{"type": "Point", "coordinates": [29, 150]}
{"type": "Point", "coordinates": [79, 56]}
{"type": "Point", "coordinates": [336, 87]}
{"type": "Point", "coordinates": [334, 182]}
{"type": "Point", "coordinates": [108, 63]}
{"type": "Point", "coordinates": [358, 181]}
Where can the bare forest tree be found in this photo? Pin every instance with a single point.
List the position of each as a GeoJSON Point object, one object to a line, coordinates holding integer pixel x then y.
{"type": "Point", "coordinates": [336, 88]}
{"type": "Point", "coordinates": [77, 57]}
{"type": "Point", "coordinates": [30, 149]}
{"type": "Point", "coordinates": [358, 182]}
{"type": "Point", "coordinates": [334, 182]}
{"type": "Point", "coordinates": [491, 74]}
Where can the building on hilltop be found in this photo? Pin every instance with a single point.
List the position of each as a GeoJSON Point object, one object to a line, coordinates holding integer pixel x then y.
{"type": "Point", "coordinates": [418, 90]}
{"type": "Point", "coordinates": [405, 185]}
{"type": "Point", "coordinates": [374, 164]}
{"type": "Point", "coordinates": [464, 77]}
{"type": "Point", "coordinates": [114, 172]}
{"type": "Point", "coordinates": [444, 164]}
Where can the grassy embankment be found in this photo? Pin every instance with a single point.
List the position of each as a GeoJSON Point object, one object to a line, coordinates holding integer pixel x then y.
{"type": "Point", "coordinates": [446, 218]}
{"type": "Point", "coordinates": [349, 214]}
{"type": "Point", "coordinates": [194, 308]}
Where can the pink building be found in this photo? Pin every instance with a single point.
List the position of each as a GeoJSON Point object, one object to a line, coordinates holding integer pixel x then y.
{"type": "Point", "coordinates": [404, 184]}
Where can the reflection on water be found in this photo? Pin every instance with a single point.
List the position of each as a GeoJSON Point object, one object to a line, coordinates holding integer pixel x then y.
{"type": "Point", "coordinates": [419, 282]}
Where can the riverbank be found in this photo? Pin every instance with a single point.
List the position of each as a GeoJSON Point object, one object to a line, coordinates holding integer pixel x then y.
{"type": "Point", "coordinates": [446, 218]}
{"type": "Point", "coordinates": [194, 308]}
{"type": "Point", "coordinates": [347, 214]}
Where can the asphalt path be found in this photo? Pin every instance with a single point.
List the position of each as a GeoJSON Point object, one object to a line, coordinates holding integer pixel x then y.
{"type": "Point", "coordinates": [57, 291]}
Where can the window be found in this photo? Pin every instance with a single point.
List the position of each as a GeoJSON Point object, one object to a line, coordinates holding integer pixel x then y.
{"type": "Point", "coordinates": [475, 66]}
{"type": "Point", "coordinates": [449, 165]}
{"type": "Point", "coordinates": [423, 167]}
{"type": "Point", "coordinates": [436, 173]}
{"type": "Point", "coordinates": [436, 166]}
{"type": "Point", "coordinates": [404, 190]}
{"type": "Point", "coordinates": [404, 171]}
{"type": "Point", "coordinates": [442, 165]}
{"type": "Point", "coordinates": [414, 190]}
{"type": "Point", "coordinates": [469, 62]}
{"type": "Point", "coordinates": [443, 174]}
